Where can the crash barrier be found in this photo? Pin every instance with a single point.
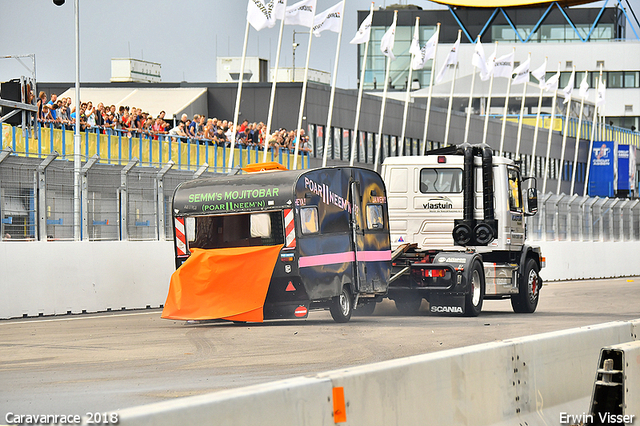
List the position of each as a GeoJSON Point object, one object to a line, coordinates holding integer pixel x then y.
{"type": "Point", "coordinates": [530, 381]}
{"type": "Point", "coordinates": [52, 278]}
{"type": "Point", "coordinates": [119, 147]}
{"type": "Point", "coordinates": [76, 277]}
{"type": "Point", "coordinates": [573, 218]}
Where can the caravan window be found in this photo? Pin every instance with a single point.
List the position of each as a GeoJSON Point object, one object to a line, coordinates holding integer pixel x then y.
{"type": "Point", "coordinates": [375, 218]}
{"type": "Point", "coordinates": [309, 220]}
{"type": "Point", "coordinates": [235, 230]}
{"type": "Point", "coordinates": [440, 180]}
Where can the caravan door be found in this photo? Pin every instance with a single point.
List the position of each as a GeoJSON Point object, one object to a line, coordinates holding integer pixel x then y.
{"type": "Point", "coordinates": [359, 242]}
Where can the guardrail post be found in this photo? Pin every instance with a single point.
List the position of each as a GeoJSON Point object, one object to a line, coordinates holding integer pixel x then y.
{"type": "Point", "coordinates": [570, 217]}
{"type": "Point", "coordinates": [556, 218]}
{"type": "Point", "coordinates": [601, 224]}
{"type": "Point", "coordinates": [84, 197]}
{"type": "Point", "coordinates": [543, 217]}
{"type": "Point", "coordinates": [41, 190]}
{"type": "Point", "coordinates": [590, 207]}
{"type": "Point", "coordinates": [621, 228]}
{"type": "Point", "coordinates": [582, 218]}
{"type": "Point", "coordinates": [124, 199]}
{"type": "Point", "coordinates": [3, 155]}
{"type": "Point", "coordinates": [615, 201]}
{"type": "Point", "coordinates": [631, 226]}
{"type": "Point", "coordinates": [203, 168]}
{"type": "Point", "coordinates": [160, 233]}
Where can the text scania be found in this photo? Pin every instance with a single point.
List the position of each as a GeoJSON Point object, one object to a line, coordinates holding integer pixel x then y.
{"type": "Point", "coordinates": [443, 309]}
{"type": "Point", "coordinates": [233, 195]}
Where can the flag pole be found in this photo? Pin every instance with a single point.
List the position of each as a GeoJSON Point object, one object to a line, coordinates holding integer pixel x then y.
{"type": "Point", "coordinates": [449, 108]}
{"type": "Point", "coordinates": [272, 97]}
{"type": "Point", "coordinates": [468, 121]}
{"type": "Point", "coordinates": [329, 132]}
{"type": "Point", "coordinates": [575, 153]}
{"type": "Point", "coordinates": [520, 119]}
{"type": "Point", "coordinates": [564, 138]}
{"type": "Point", "coordinates": [384, 104]}
{"type": "Point", "coordinates": [408, 94]}
{"type": "Point", "coordinates": [359, 102]}
{"type": "Point", "coordinates": [488, 107]}
{"type": "Point", "coordinates": [536, 130]}
{"type": "Point", "coordinates": [505, 111]}
{"type": "Point", "coordinates": [546, 164]}
{"type": "Point", "coordinates": [427, 112]}
{"type": "Point", "coordinates": [302, 100]}
{"type": "Point", "coordinates": [593, 132]}
{"type": "Point", "coordinates": [238, 97]}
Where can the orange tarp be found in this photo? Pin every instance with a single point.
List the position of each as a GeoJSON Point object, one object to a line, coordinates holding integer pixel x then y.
{"type": "Point", "coordinates": [229, 283]}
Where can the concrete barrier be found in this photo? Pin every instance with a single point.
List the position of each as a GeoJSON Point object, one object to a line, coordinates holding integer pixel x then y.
{"type": "Point", "coordinates": [527, 381]}
{"type": "Point", "coordinates": [49, 278]}
{"type": "Point", "coordinates": [577, 260]}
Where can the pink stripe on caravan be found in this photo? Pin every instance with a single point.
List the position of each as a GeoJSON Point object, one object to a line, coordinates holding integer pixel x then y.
{"type": "Point", "coordinates": [373, 256]}
{"type": "Point", "coordinates": [326, 259]}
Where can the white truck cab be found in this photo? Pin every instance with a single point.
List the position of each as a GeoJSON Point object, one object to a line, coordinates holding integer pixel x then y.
{"type": "Point", "coordinates": [461, 203]}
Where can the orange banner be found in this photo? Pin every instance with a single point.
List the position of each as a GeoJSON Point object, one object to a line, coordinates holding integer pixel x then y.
{"type": "Point", "coordinates": [227, 283]}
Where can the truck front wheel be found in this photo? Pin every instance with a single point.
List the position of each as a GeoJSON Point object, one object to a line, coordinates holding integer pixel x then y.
{"type": "Point", "coordinates": [342, 306]}
{"type": "Point", "coordinates": [526, 301]}
{"type": "Point", "coordinates": [475, 296]}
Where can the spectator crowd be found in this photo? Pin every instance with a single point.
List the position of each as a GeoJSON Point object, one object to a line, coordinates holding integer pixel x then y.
{"type": "Point", "coordinates": [133, 122]}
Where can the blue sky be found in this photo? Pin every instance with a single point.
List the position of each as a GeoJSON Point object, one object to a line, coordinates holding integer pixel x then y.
{"type": "Point", "coordinates": [184, 36]}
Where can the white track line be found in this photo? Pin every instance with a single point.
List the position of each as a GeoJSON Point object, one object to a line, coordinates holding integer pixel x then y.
{"type": "Point", "coordinates": [114, 314]}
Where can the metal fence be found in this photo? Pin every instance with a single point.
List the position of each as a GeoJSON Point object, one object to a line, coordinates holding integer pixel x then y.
{"type": "Point", "coordinates": [573, 218]}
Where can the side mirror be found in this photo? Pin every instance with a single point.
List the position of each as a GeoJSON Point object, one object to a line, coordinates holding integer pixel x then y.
{"type": "Point", "coordinates": [532, 201]}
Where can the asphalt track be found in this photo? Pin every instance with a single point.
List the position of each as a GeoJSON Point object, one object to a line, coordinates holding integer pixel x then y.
{"type": "Point", "coordinates": [105, 362]}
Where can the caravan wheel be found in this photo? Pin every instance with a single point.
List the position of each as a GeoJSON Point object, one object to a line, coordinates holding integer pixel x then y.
{"type": "Point", "coordinates": [342, 306]}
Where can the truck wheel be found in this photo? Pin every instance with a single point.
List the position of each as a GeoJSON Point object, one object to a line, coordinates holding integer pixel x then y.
{"type": "Point", "coordinates": [409, 306]}
{"type": "Point", "coordinates": [365, 309]}
{"type": "Point", "coordinates": [474, 298]}
{"type": "Point", "coordinates": [342, 306]}
{"type": "Point", "coordinates": [526, 301]}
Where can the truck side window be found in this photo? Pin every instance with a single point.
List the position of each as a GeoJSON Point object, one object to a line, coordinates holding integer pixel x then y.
{"type": "Point", "coordinates": [309, 220]}
{"type": "Point", "coordinates": [375, 218]}
{"type": "Point", "coordinates": [440, 180]}
{"type": "Point", "coordinates": [515, 200]}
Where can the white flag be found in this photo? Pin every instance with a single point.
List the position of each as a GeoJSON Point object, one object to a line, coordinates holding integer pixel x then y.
{"type": "Point", "coordinates": [301, 13]}
{"type": "Point", "coordinates": [362, 36]}
{"type": "Point", "coordinates": [261, 15]}
{"type": "Point", "coordinates": [414, 49]}
{"type": "Point", "coordinates": [479, 60]}
{"type": "Point", "coordinates": [568, 89]}
{"type": "Point", "coordinates": [491, 62]}
{"type": "Point", "coordinates": [521, 73]}
{"type": "Point", "coordinates": [503, 66]}
{"type": "Point", "coordinates": [452, 59]}
{"type": "Point", "coordinates": [584, 87]}
{"type": "Point", "coordinates": [427, 52]}
{"type": "Point", "coordinates": [601, 91]}
{"type": "Point", "coordinates": [388, 40]}
{"type": "Point", "coordinates": [540, 73]}
{"type": "Point", "coordinates": [551, 85]}
{"type": "Point", "coordinates": [329, 20]}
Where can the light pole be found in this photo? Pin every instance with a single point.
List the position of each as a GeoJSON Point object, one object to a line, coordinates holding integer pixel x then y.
{"type": "Point", "coordinates": [76, 133]}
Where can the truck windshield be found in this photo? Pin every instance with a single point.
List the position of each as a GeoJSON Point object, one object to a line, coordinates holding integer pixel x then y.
{"type": "Point", "coordinates": [440, 180]}
{"type": "Point", "coordinates": [235, 230]}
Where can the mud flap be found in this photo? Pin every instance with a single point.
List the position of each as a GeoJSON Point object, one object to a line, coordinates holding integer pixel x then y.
{"type": "Point", "coordinates": [446, 303]}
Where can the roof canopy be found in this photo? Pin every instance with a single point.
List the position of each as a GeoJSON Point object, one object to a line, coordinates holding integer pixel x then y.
{"type": "Point", "coordinates": [510, 3]}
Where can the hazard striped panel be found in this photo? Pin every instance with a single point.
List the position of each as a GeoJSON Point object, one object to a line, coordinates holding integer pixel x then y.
{"type": "Point", "coordinates": [290, 231]}
{"type": "Point", "coordinates": [181, 240]}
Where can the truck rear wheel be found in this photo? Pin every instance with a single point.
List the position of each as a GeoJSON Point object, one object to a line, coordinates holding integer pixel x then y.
{"type": "Point", "coordinates": [342, 306]}
{"type": "Point", "coordinates": [475, 296]}
{"type": "Point", "coordinates": [526, 301]}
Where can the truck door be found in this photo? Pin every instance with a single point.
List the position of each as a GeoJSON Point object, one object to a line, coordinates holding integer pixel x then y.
{"type": "Point", "coordinates": [359, 245]}
{"type": "Point", "coordinates": [515, 218]}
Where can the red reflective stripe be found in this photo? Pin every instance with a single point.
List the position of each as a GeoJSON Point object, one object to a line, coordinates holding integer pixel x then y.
{"type": "Point", "coordinates": [181, 240]}
{"type": "Point", "coordinates": [290, 232]}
